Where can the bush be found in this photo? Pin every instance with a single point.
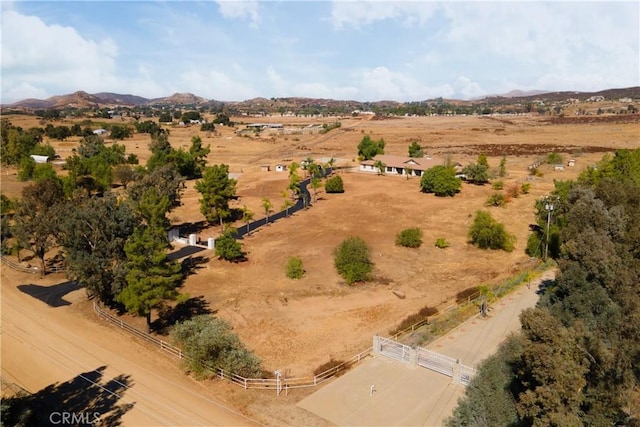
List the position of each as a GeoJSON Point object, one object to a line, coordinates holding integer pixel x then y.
{"type": "Point", "coordinates": [334, 185]}
{"type": "Point", "coordinates": [409, 238]}
{"type": "Point", "coordinates": [441, 243]}
{"type": "Point", "coordinates": [554, 158]}
{"type": "Point", "coordinates": [228, 248]}
{"type": "Point", "coordinates": [497, 199]}
{"type": "Point", "coordinates": [209, 343]}
{"type": "Point", "coordinates": [295, 269]}
{"type": "Point", "coordinates": [487, 233]}
{"type": "Point", "coordinates": [353, 261]}
{"type": "Point", "coordinates": [441, 181]}
{"type": "Point", "coordinates": [525, 188]}
{"type": "Point", "coordinates": [497, 185]}
{"type": "Point", "coordinates": [513, 191]}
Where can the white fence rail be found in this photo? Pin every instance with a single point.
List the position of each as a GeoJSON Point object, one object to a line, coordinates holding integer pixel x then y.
{"type": "Point", "coordinates": [461, 374]}
{"type": "Point", "coordinates": [278, 384]}
{"type": "Point", "coordinates": [32, 269]}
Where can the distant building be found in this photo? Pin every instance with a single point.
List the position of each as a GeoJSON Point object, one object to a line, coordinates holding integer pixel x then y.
{"type": "Point", "coordinates": [40, 159]}
{"type": "Point", "coordinates": [100, 131]}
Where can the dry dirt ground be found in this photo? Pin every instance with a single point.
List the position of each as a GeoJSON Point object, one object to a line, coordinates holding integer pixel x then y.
{"type": "Point", "coordinates": [296, 325]}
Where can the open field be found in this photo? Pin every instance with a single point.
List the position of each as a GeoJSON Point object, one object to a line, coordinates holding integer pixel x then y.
{"type": "Point", "coordinates": [298, 325]}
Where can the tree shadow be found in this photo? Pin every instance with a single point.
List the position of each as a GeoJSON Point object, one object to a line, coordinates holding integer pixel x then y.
{"type": "Point", "coordinates": [170, 315]}
{"type": "Point", "coordinates": [82, 401]}
{"type": "Point", "coordinates": [50, 295]}
{"type": "Point", "coordinates": [191, 264]}
{"type": "Point", "coordinates": [545, 285]}
{"type": "Point", "coordinates": [187, 228]}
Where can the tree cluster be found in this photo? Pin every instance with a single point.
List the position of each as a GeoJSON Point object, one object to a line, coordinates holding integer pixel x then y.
{"type": "Point", "coordinates": [576, 360]}
{"type": "Point", "coordinates": [352, 259]}
{"type": "Point", "coordinates": [368, 148]}
{"type": "Point", "coordinates": [440, 180]}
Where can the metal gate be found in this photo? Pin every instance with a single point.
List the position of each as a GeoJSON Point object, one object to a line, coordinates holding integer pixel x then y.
{"type": "Point", "coordinates": [436, 361]}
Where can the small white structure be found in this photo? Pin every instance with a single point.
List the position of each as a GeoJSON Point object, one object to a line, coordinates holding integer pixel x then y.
{"type": "Point", "coordinates": [100, 131]}
{"type": "Point", "coordinates": [281, 168]}
{"type": "Point", "coordinates": [40, 159]}
{"type": "Point", "coordinates": [571, 163]}
{"type": "Point", "coordinates": [265, 168]}
{"type": "Point", "coordinates": [558, 167]}
{"type": "Point", "coordinates": [193, 239]}
{"type": "Point", "coordinates": [211, 243]}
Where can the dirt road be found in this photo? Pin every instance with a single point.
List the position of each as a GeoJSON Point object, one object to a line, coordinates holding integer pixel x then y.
{"type": "Point", "coordinates": [77, 365]}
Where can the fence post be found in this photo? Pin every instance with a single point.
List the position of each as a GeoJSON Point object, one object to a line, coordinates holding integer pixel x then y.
{"type": "Point", "coordinates": [376, 345]}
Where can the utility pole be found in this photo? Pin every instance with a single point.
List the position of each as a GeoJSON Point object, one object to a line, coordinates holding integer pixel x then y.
{"type": "Point", "coordinates": [548, 206]}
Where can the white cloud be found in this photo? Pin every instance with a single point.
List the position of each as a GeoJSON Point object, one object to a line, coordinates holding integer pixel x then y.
{"type": "Point", "coordinates": [240, 9]}
{"type": "Point", "coordinates": [381, 83]}
{"type": "Point", "coordinates": [361, 13]}
{"type": "Point", "coordinates": [214, 84]}
{"type": "Point", "coordinates": [39, 55]}
{"type": "Point", "coordinates": [467, 89]}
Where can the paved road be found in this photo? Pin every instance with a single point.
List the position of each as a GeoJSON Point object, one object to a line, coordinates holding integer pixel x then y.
{"type": "Point", "coordinates": [78, 364]}
{"type": "Point", "coordinates": [415, 396]}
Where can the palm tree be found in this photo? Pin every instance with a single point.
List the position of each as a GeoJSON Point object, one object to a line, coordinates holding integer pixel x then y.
{"type": "Point", "coordinates": [407, 172]}
{"type": "Point", "coordinates": [247, 217]}
{"type": "Point", "coordinates": [287, 203]}
{"type": "Point", "coordinates": [267, 206]}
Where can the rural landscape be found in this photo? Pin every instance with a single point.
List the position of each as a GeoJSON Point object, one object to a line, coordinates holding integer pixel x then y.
{"type": "Point", "coordinates": [275, 237]}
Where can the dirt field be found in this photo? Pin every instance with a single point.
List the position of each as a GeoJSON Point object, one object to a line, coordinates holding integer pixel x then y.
{"type": "Point", "coordinates": [298, 325]}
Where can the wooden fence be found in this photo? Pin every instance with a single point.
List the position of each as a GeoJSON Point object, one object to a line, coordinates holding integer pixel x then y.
{"type": "Point", "coordinates": [278, 384]}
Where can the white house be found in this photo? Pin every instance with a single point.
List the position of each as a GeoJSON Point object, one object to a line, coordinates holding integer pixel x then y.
{"type": "Point", "coordinates": [396, 165]}
{"type": "Point", "coordinates": [100, 131]}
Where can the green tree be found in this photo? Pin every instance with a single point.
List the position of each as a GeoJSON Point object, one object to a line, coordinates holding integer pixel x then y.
{"type": "Point", "coordinates": [409, 238]}
{"type": "Point", "coordinates": [36, 218]}
{"type": "Point", "coordinates": [503, 167]}
{"type": "Point", "coordinates": [93, 232]}
{"type": "Point", "coordinates": [476, 173]}
{"type": "Point", "coordinates": [228, 248]}
{"type": "Point", "coordinates": [165, 179]}
{"type": "Point", "coordinates": [368, 148]}
{"type": "Point", "coordinates": [482, 160]}
{"type": "Point", "coordinates": [295, 269]}
{"type": "Point", "coordinates": [286, 202]}
{"type": "Point", "coordinates": [217, 189]}
{"type": "Point", "coordinates": [334, 185]}
{"type": "Point", "coordinates": [441, 181]}
{"type": "Point", "coordinates": [415, 150]}
{"type": "Point", "coordinates": [316, 184]}
{"type": "Point", "coordinates": [199, 154]}
{"type": "Point", "coordinates": [352, 259]}
{"type": "Point", "coordinates": [267, 206]}
{"type": "Point", "coordinates": [151, 277]}
{"type": "Point", "coordinates": [120, 132]}
{"type": "Point", "coordinates": [379, 164]}
{"type": "Point", "coordinates": [247, 217]}
{"type": "Point", "coordinates": [487, 233]}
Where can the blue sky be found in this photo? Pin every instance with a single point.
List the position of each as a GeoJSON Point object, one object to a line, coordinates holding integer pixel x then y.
{"type": "Point", "coordinates": [359, 50]}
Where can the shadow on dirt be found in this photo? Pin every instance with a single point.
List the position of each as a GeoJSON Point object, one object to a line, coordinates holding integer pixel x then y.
{"type": "Point", "coordinates": [82, 401]}
{"type": "Point", "coordinates": [50, 295]}
{"type": "Point", "coordinates": [169, 316]}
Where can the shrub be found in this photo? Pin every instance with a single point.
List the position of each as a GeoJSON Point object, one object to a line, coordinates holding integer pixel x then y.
{"type": "Point", "coordinates": [209, 343]}
{"type": "Point", "coordinates": [487, 233]}
{"type": "Point", "coordinates": [228, 248]}
{"type": "Point", "coordinates": [464, 295]}
{"type": "Point", "coordinates": [525, 188]}
{"type": "Point", "coordinates": [295, 269]}
{"type": "Point", "coordinates": [441, 181]}
{"type": "Point", "coordinates": [497, 199]}
{"type": "Point", "coordinates": [554, 158]}
{"type": "Point", "coordinates": [497, 185]}
{"type": "Point", "coordinates": [353, 261]}
{"type": "Point", "coordinates": [513, 191]}
{"type": "Point", "coordinates": [441, 243]}
{"type": "Point", "coordinates": [334, 185]}
{"type": "Point", "coordinates": [409, 238]}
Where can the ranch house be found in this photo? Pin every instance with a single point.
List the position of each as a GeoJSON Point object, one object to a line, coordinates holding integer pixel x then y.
{"type": "Point", "coordinates": [396, 165]}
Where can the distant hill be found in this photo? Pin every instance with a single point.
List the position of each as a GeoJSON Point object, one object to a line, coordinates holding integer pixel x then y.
{"type": "Point", "coordinates": [178, 99]}
{"type": "Point", "coordinates": [118, 99]}
{"type": "Point", "coordinates": [259, 105]}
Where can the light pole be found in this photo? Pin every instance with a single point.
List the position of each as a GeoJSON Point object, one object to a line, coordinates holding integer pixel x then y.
{"type": "Point", "coordinates": [548, 206]}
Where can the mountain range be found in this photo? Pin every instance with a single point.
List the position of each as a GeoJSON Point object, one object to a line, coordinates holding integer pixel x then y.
{"type": "Point", "coordinates": [81, 99]}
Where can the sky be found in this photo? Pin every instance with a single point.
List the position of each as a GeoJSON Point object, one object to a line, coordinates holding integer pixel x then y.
{"type": "Point", "coordinates": [346, 50]}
